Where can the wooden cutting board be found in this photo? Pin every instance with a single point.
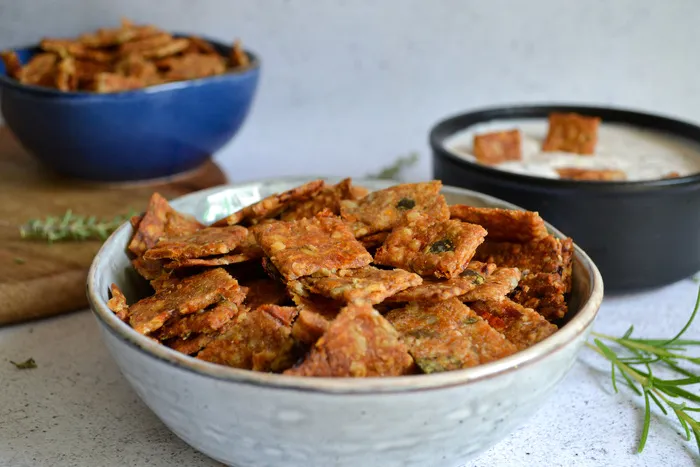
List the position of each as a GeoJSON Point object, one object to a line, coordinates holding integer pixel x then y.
{"type": "Point", "coordinates": [38, 279]}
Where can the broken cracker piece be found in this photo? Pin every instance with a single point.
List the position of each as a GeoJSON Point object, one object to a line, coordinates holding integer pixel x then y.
{"type": "Point", "coordinates": [39, 70]}
{"type": "Point", "coordinates": [13, 67]}
{"type": "Point", "coordinates": [191, 345]}
{"type": "Point", "coordinates": [358, 343]}
{"type": "Point", "coordinates": [441, 249]}
{"type": "Point", "coordinates": [204, 242]}
{"type": "Point", "coordinates": [192, 66]}
{"type": "Point", "coordinates": [543, 292]}
{"type": "Point", "coordinates": [367, 284]}
{"type": "Point", "coordinates": [542, 255]}
{"type": "Point", "coordinates": [502, 224]}
{"type": "Point", "coordinates": [301, 248]}
{"type": "Point", "coordinates": [494, 148]}
{"type": "Point", "coordinates": [265, 291]}
{"type": "Point", "coordinates": [570, 132]}
{"type": "Point", "coordinates": [222, 260]}
{"type": "Point", "coordinates": [437, 290]}
{"type": "Point", "coordinates": [117, 303]}
{"type": "Point", "coordinates": [272, 206]}
{"type": "Point", "coordinates": [522, 326]}
{"type": "Point", "coordinates": [385, 209]}
{"type": "Point", "coordinates": [605, 175]}
{"type": "Point", "coordinates": [328, 198]}
{"type": "Point", "coordinates": [448, 336]}
{"type": "Point", "coordinates": [191, 294]}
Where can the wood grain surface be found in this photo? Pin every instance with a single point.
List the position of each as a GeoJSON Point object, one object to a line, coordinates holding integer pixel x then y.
{"type": "Point", "coordinates": [38, 279]}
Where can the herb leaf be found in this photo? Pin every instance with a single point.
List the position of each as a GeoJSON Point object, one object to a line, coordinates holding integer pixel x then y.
{"type": "Point", "coordinates": [70, 227]}
{"type": "Point", "coordinates": [635, 360]}
{"type": "Point", "coordinates": [28, 364]}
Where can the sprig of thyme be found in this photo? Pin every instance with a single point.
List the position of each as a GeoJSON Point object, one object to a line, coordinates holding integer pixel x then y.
{"type": "Point", "coordinates": [28, 364]}
{"type": "Point", "coordinates": [393, 171]}
{"type": "Point", "coordinates": [633, 362]}
{"type": "Point", "coordinates": [70, 227]}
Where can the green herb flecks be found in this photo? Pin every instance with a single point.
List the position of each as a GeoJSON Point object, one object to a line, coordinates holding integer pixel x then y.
{"type": "Point", "coordinates": [406, 203]}
{"type": "Point", "coordinates": [633, 362]}
{"type": "Point", "coordinates": [19, 260]}
{"type": "Point", "coordinates": [28, 364]}
{"type": "Point", "coordinates": [70, 227]}
{"type": "Point", "coordinates": [442, 246]}
{"type": "Point", "coordinates": [393, 171]}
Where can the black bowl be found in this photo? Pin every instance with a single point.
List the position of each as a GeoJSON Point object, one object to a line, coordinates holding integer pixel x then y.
{"type": "Point", "coordinates": [641, 234]}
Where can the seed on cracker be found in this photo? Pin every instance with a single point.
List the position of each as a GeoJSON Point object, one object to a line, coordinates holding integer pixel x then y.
{"type": "Point", "coordinates": [570, 132]}
{"type": "Point", "coordinates": [385, 209]}
{"type": "Point", "coordinates": [440, 249]}
{"type": "Point", "coordinates": [201, 243]}
{"type": "Point", "coordinates": [522, 326]}
{"type": "Point", "coordinates": [502, 224]}
{"type": "Point", "coordinates": [273, 205]}
{"type": "Point", "coordinates": [301, 248]}
{"type": "Point", "coordinates": [448, 336]}
{"type": "Point", "coordinates": [494, 148]}
{"type": "Point", "coordinates": [367, 284]}
{"type": "Point", "coordinates": [358, 343]}
{"type": "Point", "coordinates": [191, 294]}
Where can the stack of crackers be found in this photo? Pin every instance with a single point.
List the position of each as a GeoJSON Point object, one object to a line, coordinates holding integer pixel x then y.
{"type": "Point", "coordinates": [329, 280]}
{"type": "Point", "coordinates": [119, 59]}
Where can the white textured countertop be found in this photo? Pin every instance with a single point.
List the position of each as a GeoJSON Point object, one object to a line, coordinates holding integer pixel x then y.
{"type": "Point", "coordinates": [75, 409]}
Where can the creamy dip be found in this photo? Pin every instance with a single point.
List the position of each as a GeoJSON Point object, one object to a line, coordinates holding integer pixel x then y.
{"type": "Point", "coordinates": [641, 154]}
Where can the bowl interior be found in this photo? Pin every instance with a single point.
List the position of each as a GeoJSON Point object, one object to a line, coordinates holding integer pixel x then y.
{"type": "Point", "coordinates": [111, 265]}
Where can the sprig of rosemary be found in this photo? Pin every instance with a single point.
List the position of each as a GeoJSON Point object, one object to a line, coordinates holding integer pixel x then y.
{"type": "Point", "coordinates": [70, 227]}
{"type": "Point", "coordinates": [392, 172]}
{"type": "Point", "coordinates": [633, 362]}
{"type": "Point", "coordinates": [28, 364]}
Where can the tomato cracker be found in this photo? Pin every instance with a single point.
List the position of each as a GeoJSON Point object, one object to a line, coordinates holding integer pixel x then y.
{"type": "Point", "coordinates": [494, 148]}
{"type": "Point", "coordinates": [570, 132]}
{"type": "Point", "coordinates": [204, 242]}
{"type": "Point", "coordinates": [522, 326]}
{"type": "Point", "coordinates": [502, 224]}
{"type": "Point", "coordinates": [599, 175]}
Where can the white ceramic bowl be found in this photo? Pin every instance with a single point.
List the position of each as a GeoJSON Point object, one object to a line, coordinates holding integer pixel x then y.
{"type": "Point", "coordinates": [246, 418]}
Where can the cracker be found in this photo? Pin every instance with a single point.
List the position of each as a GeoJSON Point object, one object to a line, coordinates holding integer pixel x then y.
{"type": "Point", "coordinates": [209, 241]}
{"type": "Point", "coordinates": [146, 45]}
{"type": "Point", "coordinates": [273, 205]}
{"type": "Point", "coordinates": [543, 255]}
{"type": "Point", "coordinates": [374, 240]}
{"type": "Point", "coordinates": [200, 46]}
{"type": "Point", "coordinates": [191, 294]}
{"type": "Point", "coordinates": [66, 76]}
{"type": "Point", "coordinates": [148, 269]}
{"type": "Point", "coordinates": [543, 292]}
{"type": "Point", "coordinates": [71, 48]}
{"type": "Point", "coordinates": [604, 175]}
{"type": "Point", "coordinates": [135, 66]}
{"type": "Point", "coordinates": [673, 174]}
{"type": "Point", "coordinates": [257, 340]}
{"type": "Point", "coordinates": [192, 66]}
{"type": "Point", "coordinates": [328, 198]}
{"type": "Point", "coordinates": [160, 220]}
{"type": "Point", "coordinates": [567, 260]}
{"type": "Point", "coordinates": [448, 336]}
{"type": "Point", "coordinates": [437, 290]}
{"type": "Point", "coordinates": [164, 281]}
{"type": "Point", "coordinates": [39, 70]}
{"type": "Point", "coordinates": [495, 287]}
{"type": "Point", "coordinates": [385, 209]}
{"type": "Point", "coordinates": [191, 345]}
{"type": "Point", "coordinates": [522, 326]}
{"type": "Point", "coordinates": [310, 325]}
{"type": "Point", "coordinates": [301, 248]}
{"type": "Point", "coordinates": [358, 343]}
{"type": "Point", "coordinates": [368, 284]}
{"type": "Point", "coordinates": [238, 57]}
{"type": "Point", "coordinates": [508, 225]}
{"type": "Point", "coordinates": [112, 82]}
{"type": "Point", "coordinates": [265, 291]}
{"type": "Point", "coordinates": [202, 322]}
{"type": "Point", "coordinates": [494, 148]}
{"type": "Point", "coordinates": [117, 303]}
{"type": "Point", "coordinates": [223, 260]}
{"type": "Point", "coordinates": [107, 37]}
{"type": "Point", "coordinates": [441, 249]}
{"type": "Point", "coordinates": [570, 132]}
{"type": "Point", "coordinates": [13, 67]}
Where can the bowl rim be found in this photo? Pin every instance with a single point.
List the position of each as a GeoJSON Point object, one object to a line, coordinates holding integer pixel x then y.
{"type": "Point", "coordinates": [449, 126]}
{"type": "Point", "coordinates": [253, 68]}
{"type": "Point", "coordinates": [564, 337]}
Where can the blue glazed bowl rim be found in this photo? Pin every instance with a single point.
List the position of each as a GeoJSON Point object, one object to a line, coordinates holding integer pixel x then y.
{"type": "Point", "coordinates": [6, 81]}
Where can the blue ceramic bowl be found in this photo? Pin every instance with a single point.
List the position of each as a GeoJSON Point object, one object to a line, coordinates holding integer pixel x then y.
{"type": "Point", "coordinates": [143, 134]}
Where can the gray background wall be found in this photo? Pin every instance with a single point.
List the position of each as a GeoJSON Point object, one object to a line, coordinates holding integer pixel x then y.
{"type": "Point", "coordinates": [349, 85]}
